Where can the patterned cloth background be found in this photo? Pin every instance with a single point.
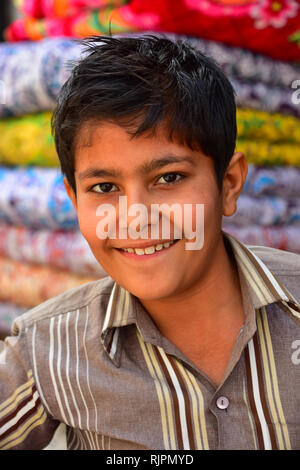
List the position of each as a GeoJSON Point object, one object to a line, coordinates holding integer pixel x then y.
{"type": "Point", "coordinates": [264, 26]}
{"type": "Point", "coordinates": [27, 139]}
{"type": "Point", "coordinates": [283, 238]}
{"type": "Point", "coordinates": [267, 210]}
{"type": "Point", "coordinates": [36, 198]}
{"type": "Point", "coordinates": [60, 249]}
{"type": "Point", "coordinates": [29, 285]}
{"type": "Point", "coordinates": [33, 72]}
{"type": "Point", "coordinates": [59, 8]}
{"type": "Point", "coordinates": [270, 196]}
{"type": "Point", "coordinates": [256, 42]}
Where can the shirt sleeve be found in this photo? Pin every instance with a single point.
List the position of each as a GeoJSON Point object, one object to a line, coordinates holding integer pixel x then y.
{"type": "Point", "coordinates": [25, 423]}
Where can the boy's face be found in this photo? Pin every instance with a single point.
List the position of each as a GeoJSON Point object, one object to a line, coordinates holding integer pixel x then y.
{"type": "Point", "coordinates": [148, 170]}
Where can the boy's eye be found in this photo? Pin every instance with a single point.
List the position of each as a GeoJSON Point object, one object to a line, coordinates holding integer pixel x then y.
{"type": "Point", "coordinates": [170, 178]}
{"type": "Point", "coordinates": [104, 188]}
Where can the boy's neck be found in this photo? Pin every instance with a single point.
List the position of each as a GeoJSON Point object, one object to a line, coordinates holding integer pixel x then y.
{"type": "Point", "coordinates": [211, 314]}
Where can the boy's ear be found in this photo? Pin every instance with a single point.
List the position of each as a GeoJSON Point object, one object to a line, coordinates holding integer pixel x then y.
{"type": "Point", "coordinates": [71, 193]}
{"type": "Point", "coordinates": [233, 182]}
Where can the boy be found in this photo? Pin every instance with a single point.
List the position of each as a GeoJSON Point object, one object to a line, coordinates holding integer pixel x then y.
{"type": "Point", "coordinates": [177, 348]}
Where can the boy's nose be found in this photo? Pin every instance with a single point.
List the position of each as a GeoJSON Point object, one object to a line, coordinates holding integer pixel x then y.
{"type": "Point", "coordinates": [134, 211]}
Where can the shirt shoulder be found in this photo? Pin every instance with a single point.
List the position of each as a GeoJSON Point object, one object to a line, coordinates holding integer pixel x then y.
{"type": "Point", "coordinates": [284, 264]}
{"type": "Point", "coordinates": [68, 301]}
{"type": "Point", "coordinates": [278, 261]}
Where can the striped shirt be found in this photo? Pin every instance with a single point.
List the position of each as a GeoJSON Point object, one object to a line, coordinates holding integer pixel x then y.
{"type": "Point", "coordinates": [93, 359]}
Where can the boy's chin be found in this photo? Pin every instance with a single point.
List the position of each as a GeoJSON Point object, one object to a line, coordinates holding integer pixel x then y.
{"type": "Point", "coordinates": [151, 291]}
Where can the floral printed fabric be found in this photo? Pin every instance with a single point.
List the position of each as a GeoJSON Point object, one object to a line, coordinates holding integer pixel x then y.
{"type": "Point", "coordinates": [79, 25]}
{"type": "Point", "coordinates": [260, 96]}
{"type": "Point", "coordinates": [244, 64]}
{"type": "Point", "coordinates": [29, 285]}
{"type": "Point", "coordinates": [59, 8]}
{"type": "Point", "coordinates": [265, 211]}
{"type": "Point", "coordinates": [270, 27]}
{"type": "Point", "coordinates": [260, 125]}
{"type": "Point", "coordinates": [35, 198]}
{"type": "Point", "coordinates": [23, 189]}
{"type": "Point", "coordinates": [262, 152]}
{"type": "Point", "coordinates": [280, 181]}
{"type": "Point", "coordinates": [42, 189]}
{"type": "Point", "coordinates": [28, 141]}
{"type": "Point", "coordinates": [284, 238]}
{"type": "Point", "coordinates": [64, 250]}
{"type": "Point", "coordinates": [32, 73]}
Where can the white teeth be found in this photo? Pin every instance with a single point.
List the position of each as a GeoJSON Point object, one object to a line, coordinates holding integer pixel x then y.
{"type": "Point", "coordinates": [139, 251]}
{"type": "Point", "coordinates": [149, 250]}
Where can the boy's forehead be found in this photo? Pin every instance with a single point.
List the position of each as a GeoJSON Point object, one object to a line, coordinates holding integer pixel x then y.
{"type": "Point", "coordinates": [94, 132]}
{"type": "Point", "coordinates": [111, 144]}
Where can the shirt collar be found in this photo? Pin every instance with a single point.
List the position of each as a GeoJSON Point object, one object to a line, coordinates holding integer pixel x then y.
{"type": "Point", "coordinates": [263, 287]}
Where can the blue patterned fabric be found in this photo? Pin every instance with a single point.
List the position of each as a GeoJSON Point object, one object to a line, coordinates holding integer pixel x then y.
{"type": "Point", "coordinates": [281, 181]}
{"type": "Point", "coordinates": [265, 211]}
{"type": "Point", "coordinates": [35, 198]}
{"type": "Point", "coordinates": [32, 73]}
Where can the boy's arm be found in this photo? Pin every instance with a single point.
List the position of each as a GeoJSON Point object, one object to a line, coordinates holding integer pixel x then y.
{"type": "Point", "coordinates": [24, 421]}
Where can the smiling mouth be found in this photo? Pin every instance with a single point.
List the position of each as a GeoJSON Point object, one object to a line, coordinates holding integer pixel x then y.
{"type": "Point", "coordinates": [149, 250]}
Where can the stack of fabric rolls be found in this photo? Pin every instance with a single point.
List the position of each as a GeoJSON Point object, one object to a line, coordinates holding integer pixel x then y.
{"type": "Point", "coordinates": [42, 252]}
{"type": "Point", "coordinates": [256, 43]}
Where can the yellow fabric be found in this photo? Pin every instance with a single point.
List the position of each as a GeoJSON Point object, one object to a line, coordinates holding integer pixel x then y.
{"type": "Point", "coordinates": [275, 127]}
{"type": "Point", "coordinates": [27, 140]}
{"type": "Point", "coordinates": [267, 139]}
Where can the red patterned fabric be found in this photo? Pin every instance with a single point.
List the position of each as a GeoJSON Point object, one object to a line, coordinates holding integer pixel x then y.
{"type": "Point", "coordinates": [62, 8]}
{"type": "Point", "coordinates": [270, 27]}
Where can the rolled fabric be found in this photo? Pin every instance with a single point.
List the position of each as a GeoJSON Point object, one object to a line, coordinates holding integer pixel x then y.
{"type": "Point", "coordinates": [255, 25]}
{"type": "Point", "coordinates": [32, 74]}
{"type": "Point", "coordinates": [260, 96]}
{"type": "Point", "coordinates": [265, 211]}
{"type": "Point", "coordinates": [262, 152]}
{"type": "Point", "coordinates": [8, 313]}
{"type": "Point", "coordinates": [29, 7]}
{"type": "Point", "coordinates": [244, 64]}
{"type": "Point", "coordinates": [29, 285]}
{"type": "Point", "coordinates": [272, 127]}
{"type": "Point", "coordinates": [79, 25]}
{"type": "Point", "coordinates": [281, 181]}
{"type": "Point", "coordinates": [64, 250]}
{"type": "Point", "coordinates": [283, 238]}
{"type": "Point", "coordinates": [59, 8]}
{"type": "Point", "coordinates": [36, 198]}
{"type": "Point", "coordinates": [27, 140]}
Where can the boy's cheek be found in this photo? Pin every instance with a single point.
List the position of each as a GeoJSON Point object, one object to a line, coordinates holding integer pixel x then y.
{"type": "Point", "coordinates": [88, 226]}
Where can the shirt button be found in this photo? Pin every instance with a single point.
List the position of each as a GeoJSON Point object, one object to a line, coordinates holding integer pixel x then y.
{"type": "Point", "coordinates": [222, 403]}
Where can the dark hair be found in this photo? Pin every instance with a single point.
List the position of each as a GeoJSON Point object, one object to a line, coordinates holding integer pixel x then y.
{"type": "Point", "coordinates": [139, 82]}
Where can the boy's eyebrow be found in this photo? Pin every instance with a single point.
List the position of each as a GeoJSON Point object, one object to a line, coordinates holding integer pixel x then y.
{"type": "Point", "coordinates": [145, 168]}
{"type": "Point", "coordinates": [156, 164]}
